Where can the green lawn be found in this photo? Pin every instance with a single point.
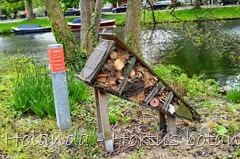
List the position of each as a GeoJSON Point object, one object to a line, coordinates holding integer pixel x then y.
{"type": "Point", "coordinates": [160, 16]}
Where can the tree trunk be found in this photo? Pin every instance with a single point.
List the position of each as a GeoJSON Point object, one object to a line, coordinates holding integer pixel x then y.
{"type": "Point", "coordinates": [62, 32]}
{"type": "Point", "coordinates": [97, 16]}
{"type": "Point", "coordinates": [86, 43]}
{"type": "Point", "coordinates": [30, 9]}
{"type": "Point", "coordinates": [95, 22]}
{"type": "Point", "coordinates": [132, 27]}
{"type": "Point", "coordinates": [197, 4]}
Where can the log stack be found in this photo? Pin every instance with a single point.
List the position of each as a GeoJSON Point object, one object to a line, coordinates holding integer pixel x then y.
{"type": "Point", "coordinates": [120, 71]}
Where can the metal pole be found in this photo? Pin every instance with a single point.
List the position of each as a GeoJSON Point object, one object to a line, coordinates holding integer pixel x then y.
{"type": "Point", "coordinates": [59, 83]}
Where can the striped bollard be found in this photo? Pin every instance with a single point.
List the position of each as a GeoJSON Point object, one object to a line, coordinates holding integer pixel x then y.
{"type": "Point", "coordinates": [59, 83]}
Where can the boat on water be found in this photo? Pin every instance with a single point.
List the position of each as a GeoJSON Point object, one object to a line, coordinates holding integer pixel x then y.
{"type": "Point", "coordinates": [75, 25]}
{"type": "Point", "coordinates": [30, 28]}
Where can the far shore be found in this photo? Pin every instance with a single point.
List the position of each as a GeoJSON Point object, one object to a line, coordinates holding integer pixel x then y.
{"type": "Point", "coordinates": [161, 16]}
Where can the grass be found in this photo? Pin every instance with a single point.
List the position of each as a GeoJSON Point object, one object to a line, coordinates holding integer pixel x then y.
{"type": "Point", "coordinates": [160, 15]}
{"type": "Point", "coordinates": [81, 142]}
{"type": "Point", "coordinates": [234, 96]}
{"type": "Point", "coordinates": [7, 27]}
{"type": "Point", "coordinates": [32, 88]}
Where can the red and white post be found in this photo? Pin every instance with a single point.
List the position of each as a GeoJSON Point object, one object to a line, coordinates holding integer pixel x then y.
{"type": "Point", "coordinates": [59, 83]}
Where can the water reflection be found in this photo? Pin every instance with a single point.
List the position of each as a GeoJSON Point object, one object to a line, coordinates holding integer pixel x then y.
{"type": "Point", "coordinates": [176, 48]}
{"type": "Point", "coordinates": [158, 49]}
{"type": "Point", "coordinates": [33, 45]}
{"type": "Point", "coordinates": [156, 43]}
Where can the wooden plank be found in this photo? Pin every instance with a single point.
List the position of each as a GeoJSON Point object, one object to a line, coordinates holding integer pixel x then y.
{"type": "Point", "coordinates": [150, 96]}
{"type": "Point", "coordinates": [168, 101]}
{"type": "Point", "coordinates": [171, 124]}
{"type": "Point", "coordinates": [162, 120]}
{"type": "Point", "coordinates": [126, 74]}
{"type": "Point", "coordinates": [103, 120]}
{"type": "Point", "coordinates": [96, 60]}
{"type": "Point", "coordinates": [99, 121]}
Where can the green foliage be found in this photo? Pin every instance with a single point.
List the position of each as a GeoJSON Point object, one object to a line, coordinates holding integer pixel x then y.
{"type": "Point", "coordinates": [233, 127]}
{"type": "Point", "coordinates": [32, 87]}
{"type": "Point", "coordinates": [237, 154]}
{"type": "Point", "coordinates": [70, 4]}
{"type": "Point", "coordinates": [113, 118]}
{"type": "Point", "coordinates": [209, 35]}
{"type": "Point", "coordinates": [221, 130]}
{"type": "Point", "coordinates": [116, 113]}
{"type": "Point", "coordinates": [192, 87]}
{"type": "Point", "coordinates": [77, 91]}
{"type": "Point", "coordinates": [10, 8]}
{"type": "Point", "coordinates": [32, 90]}
{"type": "Point", "coordinates": [211, 107]}
{"type": "Point", "coordinates": [234, 96]}
{"type": "Point", "coordinates": [91, 137]}
{"type": "Point", "coordinates": [231, 108]}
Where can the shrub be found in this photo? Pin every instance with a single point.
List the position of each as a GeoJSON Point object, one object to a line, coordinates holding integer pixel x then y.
{"type": "Point", "coordinates": [184, 85]}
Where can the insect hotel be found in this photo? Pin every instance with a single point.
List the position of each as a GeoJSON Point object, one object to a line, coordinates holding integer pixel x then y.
{"type": "Point", "coordinates": [114, 68]}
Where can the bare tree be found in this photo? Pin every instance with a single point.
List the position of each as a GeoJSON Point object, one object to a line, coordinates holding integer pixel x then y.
{"type": "Point", "coordinates": [132, 27]}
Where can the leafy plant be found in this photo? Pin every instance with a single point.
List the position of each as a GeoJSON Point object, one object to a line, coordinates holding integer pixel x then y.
{"type": "Point", "coordinates": [221, 130]}
{"type": "Point", "coordinates": [211, 108]}
{"type": "Point", "coordinates": [233, 127]}
{"type": "Point", "coordinates": [187, 86]}
{"type": "Point", "coordinates": [116, 111]}
{"type": "Point", "coordinates": [234, 96]}
{"type": "Point", "coordinates": [113, 118]}
{"type": "Point", "coordinates": [77, 90]}
{"type": "Point", "coordinates": [231, 108]}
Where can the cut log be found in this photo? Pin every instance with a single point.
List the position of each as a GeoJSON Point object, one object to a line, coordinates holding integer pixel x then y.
{"type": "Point", "coordinates": [113, 55]}
{"type": "Point", "coordinates": [119, 64]}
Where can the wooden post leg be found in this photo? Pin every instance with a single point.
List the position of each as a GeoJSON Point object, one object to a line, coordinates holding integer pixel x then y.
{"type": "Point", "coordinates": [171, 125]}
{"type": "Point", "coordinates": [104, 132]}
{"type": "Point", "coordinates": [99, 122]}
{"type": "Point", "coordinates": [162, 120]}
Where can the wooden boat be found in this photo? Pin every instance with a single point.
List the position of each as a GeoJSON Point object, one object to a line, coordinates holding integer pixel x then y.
{"type": "Point", "coordinates": [75, 25]}
{"type": "Point", "coordinates": [30, 28]}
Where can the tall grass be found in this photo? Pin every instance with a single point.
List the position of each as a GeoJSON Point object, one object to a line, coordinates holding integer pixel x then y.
{"type": "Point", "coordinates": [32, 91]}
{"type": "Point", "coordinates": [234, 96]}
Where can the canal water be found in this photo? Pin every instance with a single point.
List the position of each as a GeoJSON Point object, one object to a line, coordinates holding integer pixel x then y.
{"type": "Point", "coordinates": [157, 49]}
